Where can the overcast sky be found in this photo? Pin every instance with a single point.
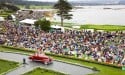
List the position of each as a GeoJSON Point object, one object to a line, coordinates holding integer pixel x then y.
{"type": "Point", "coordinates": [75, 0]}
{"type": "Point", "coordinates": [49, 0]}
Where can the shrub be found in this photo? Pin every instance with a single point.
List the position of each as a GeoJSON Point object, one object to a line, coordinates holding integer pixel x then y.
{"type": "Point", "coordinates": [43, 24]}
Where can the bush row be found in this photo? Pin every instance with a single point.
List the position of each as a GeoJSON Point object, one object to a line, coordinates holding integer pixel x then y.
{"type": "Point", "coordinates": [67, 57]}
{"type": "Point", "coordinates": [80, 59]}
{"type": "Point", "coordinates": [21, 49]}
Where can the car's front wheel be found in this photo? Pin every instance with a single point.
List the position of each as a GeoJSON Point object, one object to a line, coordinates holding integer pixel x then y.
{"type": "Point", "coordinates": [46, 63]}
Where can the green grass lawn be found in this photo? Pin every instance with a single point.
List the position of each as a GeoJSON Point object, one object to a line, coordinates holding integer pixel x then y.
{"type": "Point", "coordinates": [104, 70]}
{"type": "Point", "coordinates": [7, 65]}
{"type": "Point", "coordinates": [5, 14]}
{"type": "Point", "coordinates": [104, 27]}
{"type": "Point", "coordinates": [35, 7]}
{"type": "Point", "coordinates": [2, 15]}
{"type": "Point", "coordinates": [42, 71]}
{"type": "Point", "coordinates": [96, 27]}
{"type": "Point", "coordinates": [65, 24]}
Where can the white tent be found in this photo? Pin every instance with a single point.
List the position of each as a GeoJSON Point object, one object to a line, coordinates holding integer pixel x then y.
{"type": "Point", "coordinates": [58, 27]}
{"type": "Point", "coordinates": [2, 19]}
{"type": "Point", "coordinates": [28, 21]}
{"type": "Point", "coordinates": [13, 17]}
{"type": "Point", "coordinates": [55, 26]}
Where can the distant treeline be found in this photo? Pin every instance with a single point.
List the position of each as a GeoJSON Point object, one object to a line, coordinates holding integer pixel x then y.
{"type": "Point", "coordinates": [25, 2]}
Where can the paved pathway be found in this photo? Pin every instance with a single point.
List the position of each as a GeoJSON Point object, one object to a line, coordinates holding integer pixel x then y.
{"type": "Point", "coordinates": [58, 66]}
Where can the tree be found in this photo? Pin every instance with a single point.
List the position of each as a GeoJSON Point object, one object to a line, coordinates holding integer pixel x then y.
{"type": "Point", "coordinates": [63, 10]}
{"type": "Point", "coordinates": [9, 7]}
{"type": "Point", "coordinates": [43, 24]}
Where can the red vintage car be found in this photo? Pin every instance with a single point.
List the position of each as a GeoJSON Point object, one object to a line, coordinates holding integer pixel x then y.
{"type": "Point", "coordinates": [42, 58]}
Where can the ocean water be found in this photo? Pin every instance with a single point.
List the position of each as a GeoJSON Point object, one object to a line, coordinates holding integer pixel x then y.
{"type": "Point", "coordinates": [111, 14]}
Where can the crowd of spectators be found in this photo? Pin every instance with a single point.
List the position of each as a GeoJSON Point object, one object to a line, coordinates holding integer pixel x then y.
{"type": "Point", "coordinates": [27, 14]}
{"type": "Point", "coordinates": [107, 47]}
{"type": "Point", "coordinates": [30, 14]}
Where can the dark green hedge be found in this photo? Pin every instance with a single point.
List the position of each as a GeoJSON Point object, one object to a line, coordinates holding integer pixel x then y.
{"type": "Point", "coordinates": [21, 49]}
{"type": "Point", "coordinates": [67, 57]}
{"type": "Point", "coordinates": [89, 61]}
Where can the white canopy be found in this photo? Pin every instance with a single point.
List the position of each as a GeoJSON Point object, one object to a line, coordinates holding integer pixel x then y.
{"type": "Point", "coordinates": [2, 19]}
{"type": "Point", "coordinates": [57, 27]}
{"type": "Point", "coordinates": [13, 17]}
{"type": "Point", "coordinates": [28, 21]}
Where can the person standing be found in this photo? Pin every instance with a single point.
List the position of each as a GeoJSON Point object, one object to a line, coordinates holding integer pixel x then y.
{"type": "Point", "coordinates": [24, 61]}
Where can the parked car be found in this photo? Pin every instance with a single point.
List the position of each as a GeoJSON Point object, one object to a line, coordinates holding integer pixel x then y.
{"type": "Point", "coordinates": [41, 58]}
